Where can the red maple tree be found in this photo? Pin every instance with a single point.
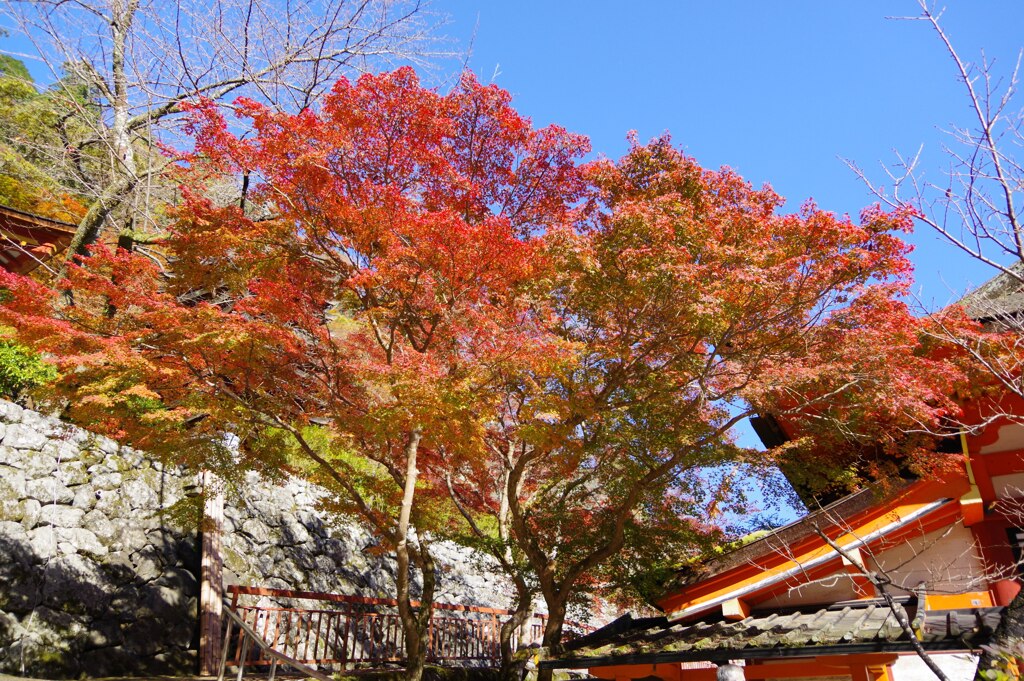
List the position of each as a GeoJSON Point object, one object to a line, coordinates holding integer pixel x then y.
{"type": "Point", "coordinates": [687, 302]}
{"type": "Point", "coordinates": [350, 323]}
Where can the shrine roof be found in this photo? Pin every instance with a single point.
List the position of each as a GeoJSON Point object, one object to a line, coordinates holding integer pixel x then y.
{"type": "Point", "coordinates": [27, 241]}
{"type": "Point", "coordinates": [852, 628]}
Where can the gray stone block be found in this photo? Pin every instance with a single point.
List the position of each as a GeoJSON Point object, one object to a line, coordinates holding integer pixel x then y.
{"type": "Point", "coordinates": [118, 562]}
{"type": "Point", "coordinates": [65, 451]}
{"type": "Point", "coordinates": [124, 604]}
{"type": "Point", "coordinates": [164, 541]}
{"type": "Point", "coordinates": [74, 473]}
{"type": "Point", "coordinates": [264, 564]}
{"type": "Point", "coordinates": [127, 535]}
{"type": "Point", "coordinates": [293, 532]}
{"type": "Point", "coordinates": [11, 508]}
{"type": "Point", "coordinates": [99, 525]}
{"type": "Point", "coordinates": [85, 498]}
{"type": "Point", "coordinates": [83, 540]}
{"type": "Point", "coordinates": [324, 565]}
{"type": "Point", "coordinates": [12, 481]}
{"type": "Point", "coordinates": [179, 633]}
{"type": "Point", "coordinates": [19, 436]}
{"type": "Point", "coordinates": [103, 634]}
{"type": "Point", "coordinates": [113, 661]}
{"type": "Point", "coordinates": [107, 481]}
{"type": "Point", "coordinates": [143, 636]}
{"type": "Point", "coordinates": [179, 580]}
{"type": "Point", "coordinates": [147, 566]}
{"type": "Point", "coordinates": [49, 635]}
{"type": "Point", "coordinates": [10, 412]}
{"type": "Point", "coordinates": [39, 464]}
{"type": "Point", "coordinates": [256, 530]}
{"type": "Point", "coordinates": [113, 504]}
{"type": "Point", "coordinates": [30, 509]}
{"type": "Point", "coordinates": [12, 532]}
{"type": "Point", "coordinates": [12, 457]}
{"type": "Point", "coordinates": [61, 516]}
{"type": "Point", "coordinates": [23, 589]}
{"type": "Point", "coordinates": [48, 426]}
{"type": "Point", "coordinates": [44, 542]}
{"type": "Point", "coordinates": [49, 491]}
{"type": "Point", "coordinates": [140, 495]}
{"type": "Point", "coordinates": [76, 584]}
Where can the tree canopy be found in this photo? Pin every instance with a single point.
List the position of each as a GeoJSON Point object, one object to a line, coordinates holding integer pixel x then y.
{"type": "Point", "coordinates": [420, 300]}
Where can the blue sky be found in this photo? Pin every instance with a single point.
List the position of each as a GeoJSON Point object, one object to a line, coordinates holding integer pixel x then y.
{"type": "Point", "coordinates": [779, 91]}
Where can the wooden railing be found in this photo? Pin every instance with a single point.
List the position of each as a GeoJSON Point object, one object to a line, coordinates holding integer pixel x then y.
{"type": "Point", "coordinates": [338, 630]}
{"type": "Point", "coordinates": [250, 639]}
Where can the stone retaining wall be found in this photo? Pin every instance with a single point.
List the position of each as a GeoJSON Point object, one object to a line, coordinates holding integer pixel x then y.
{"type": "Point", "coordinates": [96, 577]}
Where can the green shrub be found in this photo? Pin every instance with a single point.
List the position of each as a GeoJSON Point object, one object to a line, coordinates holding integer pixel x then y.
{"type": "Point", "coordinates": [21, 369]}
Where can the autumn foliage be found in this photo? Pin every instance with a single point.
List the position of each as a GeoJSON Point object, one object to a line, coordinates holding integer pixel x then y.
{"type": "Point", "coordinates": [349, 325]}
{"type": "Point", "coordinates": [687, 303]}
{"type": "Point", "coordinates": [420, 299]}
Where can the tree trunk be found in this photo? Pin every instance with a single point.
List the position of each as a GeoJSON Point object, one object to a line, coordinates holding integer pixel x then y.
{"type": "Point", "coordinates": [425, 561]}
{"type": "Point", "coordinates": [211, 589]}
{"type": "Point", "coordinates": [524, 594]}
{"type": "Point", "coordinates": [553, 629]}
{"type": "Point", "coordinates": [553, 625]}
{"type": "Point", "coordinates": [123, 16]}
{"type": "Point", "coordinates": [415, 630]}
{"type": "Point", "coordinates": [89, 227]}
{"type": "Point", "coordinates": [511, 628]}
{"type": "Point", "coordinates": [125, 171]}
{"type": "Point", "coordinates": [1009, 632]}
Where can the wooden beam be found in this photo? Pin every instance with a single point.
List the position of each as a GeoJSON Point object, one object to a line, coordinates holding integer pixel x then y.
{"type": "Point", "coordinates": [879, 672]}
{"type": "Point", "coordinates": [866, 667]}
{"type": "Point", "coordinates": [972, 507]}
{"type": "Point", "coordinates": [667, 672]}
{"type": "Point", "coordinates": [725, 654]}
{"type": "Point", "coordinates": [735, 609]}
{"type": "Point", "coordinates": [964, 601]}
{"type": "Point", "coordinates": [853, 558]}
{"type": "Point", "coordinates": [810, 668]}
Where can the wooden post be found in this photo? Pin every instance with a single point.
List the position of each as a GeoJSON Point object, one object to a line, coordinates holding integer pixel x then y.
{"type": "Point", "coordinates": [211, 585]}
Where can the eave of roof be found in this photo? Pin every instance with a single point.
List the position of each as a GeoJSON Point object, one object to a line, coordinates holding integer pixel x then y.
{"type": "Point", "coordinates": [728, 654]}
{"type": "Point", "coordinates": [868, 628]}
{"type": "Point", "coordinates": [787, 535]}
{"type": "Point", "coordinates": [26, 219]}
{"type": "Point", "coordinates": [27, 241]}
{"type": "Point", "coordinates": [801, 564]}
{"type": "Point", "coordinates": [1000, 296]}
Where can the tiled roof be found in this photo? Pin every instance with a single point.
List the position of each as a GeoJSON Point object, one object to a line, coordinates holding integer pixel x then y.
{"type": "Point", "coordinates": [870, 627]}
{"type": "Point", "coordinates": [1000, 296]}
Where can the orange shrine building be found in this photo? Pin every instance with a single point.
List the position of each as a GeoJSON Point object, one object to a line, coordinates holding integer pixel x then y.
{"type": "Point", "coordinates": [798, 602]}
{"type": "Point", "coordinates": [792, 605]}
